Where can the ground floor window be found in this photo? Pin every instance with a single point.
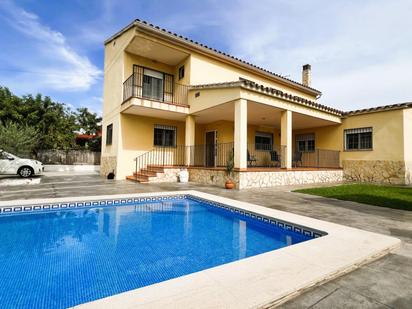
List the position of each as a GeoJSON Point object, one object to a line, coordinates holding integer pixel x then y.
{"type": "Point", "coordinates": [164, 136]}
{"type": "Point", "coordinates": [263, 141]}
{"type": "Point", "coordinates": [358, 139]}
{"type": "Point", "coordinates": [305, 142]}
{"type": "Point", "coordinates": [109, 134]}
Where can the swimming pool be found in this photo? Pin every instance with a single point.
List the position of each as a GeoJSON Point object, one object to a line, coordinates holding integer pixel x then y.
{"type": "Point", "coordinates": [64, 254]}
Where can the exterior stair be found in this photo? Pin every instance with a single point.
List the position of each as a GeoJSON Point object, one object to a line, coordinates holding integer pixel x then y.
{"type": "Point", "coordinates": [146, 174]}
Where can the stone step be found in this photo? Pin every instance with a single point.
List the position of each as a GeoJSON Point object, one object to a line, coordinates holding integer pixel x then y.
{"type": "Point", "coordinates": [138, 178]}
{"type": "Point", "coordinates": [146, 172]}
{"type": "Point", "coordinates": [156, 168]}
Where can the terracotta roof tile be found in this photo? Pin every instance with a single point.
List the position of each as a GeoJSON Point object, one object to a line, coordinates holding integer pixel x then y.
{"type": "Point", "coordinates": [244, 83]}
{"type": "Point", "coordinates": [378, 109]}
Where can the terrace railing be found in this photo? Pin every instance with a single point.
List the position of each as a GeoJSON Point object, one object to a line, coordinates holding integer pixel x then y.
{"type": "Point", "coordinates": [321, 158]}
{"type": "Point", "coordinates": [218, 155]}
{"type": "Point", "coordinates": [163, 91]}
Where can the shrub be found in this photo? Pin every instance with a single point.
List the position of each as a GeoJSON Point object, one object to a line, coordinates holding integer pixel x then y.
{"type": "Point", "coordinates": [18, 139]}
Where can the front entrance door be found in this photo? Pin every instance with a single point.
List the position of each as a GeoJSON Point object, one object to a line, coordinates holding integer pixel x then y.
{"type": "Point", "coordinates": [210, 148]}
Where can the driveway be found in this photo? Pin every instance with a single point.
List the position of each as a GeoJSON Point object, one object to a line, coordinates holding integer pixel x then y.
{"type": "Point", "coordinates": [386, 283]}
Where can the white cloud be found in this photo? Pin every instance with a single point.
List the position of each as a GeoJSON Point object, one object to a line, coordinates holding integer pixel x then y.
{"type": "Point", "coordinates": [49, 62]}
{"type": "Point", "coordinates": [359, 50]}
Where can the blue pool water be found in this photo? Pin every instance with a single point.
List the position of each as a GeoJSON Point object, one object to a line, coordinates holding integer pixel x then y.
{"type": "Point", "coordinates": [63, 258]}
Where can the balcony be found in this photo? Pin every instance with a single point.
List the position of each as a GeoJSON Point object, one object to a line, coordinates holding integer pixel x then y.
{"type": "Point", "coordinates": [154, 86]}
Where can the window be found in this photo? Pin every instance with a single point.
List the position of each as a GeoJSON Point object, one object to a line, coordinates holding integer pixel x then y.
{"type": "Point", "coordinates": [181, 72]}
{"type": "Point", "coordinates": [305, 142]}
{"type": "Point", "coordinates": [263, 141]}
{"type": "Point", "coordinates": [109, 134]}
{"type": "Point", "coordinates": [164, 136]}
{"type": "Point", "coordinates": [153, 84]}
{"type": "Point", "coordinates": [358, 139]}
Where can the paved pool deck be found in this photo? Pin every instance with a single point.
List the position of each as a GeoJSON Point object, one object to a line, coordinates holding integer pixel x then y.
{"type": "Point", "coordinates": [385, 283]}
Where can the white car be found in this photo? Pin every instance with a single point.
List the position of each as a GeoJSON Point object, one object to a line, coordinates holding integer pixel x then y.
{"type": "Point", "coordinates": [13, 165]}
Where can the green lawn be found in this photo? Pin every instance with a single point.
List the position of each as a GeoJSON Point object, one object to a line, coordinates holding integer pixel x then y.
{"type": "Point", "coordinates": [385, 196]}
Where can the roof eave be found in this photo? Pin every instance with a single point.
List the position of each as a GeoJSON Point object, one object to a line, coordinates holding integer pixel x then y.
{"type": "Point", "coordinates": [384, 108]}
{"type": "Point", "coordinates": [119, 33]}
{"type": "Point", "coordinates": [250, 85]}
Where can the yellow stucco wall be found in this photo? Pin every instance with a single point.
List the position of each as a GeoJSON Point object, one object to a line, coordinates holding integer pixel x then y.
{"type": "Point", "coordinates": [407, 138]}
{"type": "Point", "coordinates": [137, 138]}
{"type": "Point", "coordinates": [225, 131]}
{"type": "Point", "coordinates": [113, 89]}
{"type": "Point", "coordinates": [206, 70]}
{"type": "Point", "coordinates": [387, 136]}
{"type": "Point", "coordinates": [387, 133]}
{"type": "Point", "coordinates": [131, 59]}
{"type": "Point", "coordinates": [407, 133]}
{"type": "Point", "coordinates": [208, 98]}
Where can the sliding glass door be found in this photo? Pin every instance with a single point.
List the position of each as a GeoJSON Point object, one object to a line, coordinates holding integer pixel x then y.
{"type": "Point", "coordinates": [153, 84]}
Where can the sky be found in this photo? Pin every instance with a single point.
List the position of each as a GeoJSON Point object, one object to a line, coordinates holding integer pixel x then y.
{"type": "Point", "coordinates": [360, 51]}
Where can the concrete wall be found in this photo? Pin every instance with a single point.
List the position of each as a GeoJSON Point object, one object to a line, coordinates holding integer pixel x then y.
{"type": "Point", "coordinates": [69, 157]}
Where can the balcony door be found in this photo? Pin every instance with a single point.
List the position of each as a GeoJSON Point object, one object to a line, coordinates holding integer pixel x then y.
{"type": "Point", "coordinates": [210, 149]}
{"type": "Point", "coordinates": [153, 84]}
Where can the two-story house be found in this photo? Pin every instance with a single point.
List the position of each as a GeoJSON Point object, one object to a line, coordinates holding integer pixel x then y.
{"type": "Point", "coordinates": [170, 102]}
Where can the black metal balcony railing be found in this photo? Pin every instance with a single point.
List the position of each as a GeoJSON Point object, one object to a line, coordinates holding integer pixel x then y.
{"type": "Point", "coordinates": [162, 91]}
{"type": "Point", "coordinates": [218, 156]}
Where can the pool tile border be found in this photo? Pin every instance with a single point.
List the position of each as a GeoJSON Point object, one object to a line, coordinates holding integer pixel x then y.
{"type": "Point", "coordinates": [288, 226]}
{"type": "Point", "coordinates": [125, 201]}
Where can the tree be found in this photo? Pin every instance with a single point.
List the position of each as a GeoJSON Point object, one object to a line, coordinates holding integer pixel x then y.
{"type": "Point", "coordinates": [87, 121]}
{"type": "Point", "coordinates": [55, 123]}
{"type": "Point", "coordinates": [18, 139]}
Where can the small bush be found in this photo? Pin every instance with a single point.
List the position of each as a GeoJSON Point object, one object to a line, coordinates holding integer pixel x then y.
{"type": "Point", "coordinates": [17, 139]}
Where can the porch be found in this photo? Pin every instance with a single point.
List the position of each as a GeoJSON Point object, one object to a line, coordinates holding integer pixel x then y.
{"type": "Point", "coordinates": [208, 164]}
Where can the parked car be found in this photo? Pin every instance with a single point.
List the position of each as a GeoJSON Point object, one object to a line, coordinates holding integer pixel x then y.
{"type": "Point", "coordinates": [13, 165]}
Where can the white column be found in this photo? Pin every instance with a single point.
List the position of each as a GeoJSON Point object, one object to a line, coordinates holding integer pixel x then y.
{"type": "Point", "coordinates": [189, 137]}
{"type": "Point", "coordinates": [286, 139]}
{"type": "Point", "coordinates": [240, 134]}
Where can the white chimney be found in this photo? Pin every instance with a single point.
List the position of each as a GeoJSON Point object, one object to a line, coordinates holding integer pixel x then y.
{"type": "Point", "coordinates": [307, 75]}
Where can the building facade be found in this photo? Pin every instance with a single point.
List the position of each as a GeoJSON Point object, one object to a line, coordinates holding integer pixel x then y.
{"type": "Point", "coordinates": [171, 103]}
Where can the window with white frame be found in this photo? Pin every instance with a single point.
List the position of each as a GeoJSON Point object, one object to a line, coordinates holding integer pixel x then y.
{"type": "Point", "coordinates": [358, 139]}
{"type": "Point", "coordinates": [164, 136]}
{"type": "Point", "coordinates": [263, 141]}
{"type": "Point", "coordinates": [305, 142]}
